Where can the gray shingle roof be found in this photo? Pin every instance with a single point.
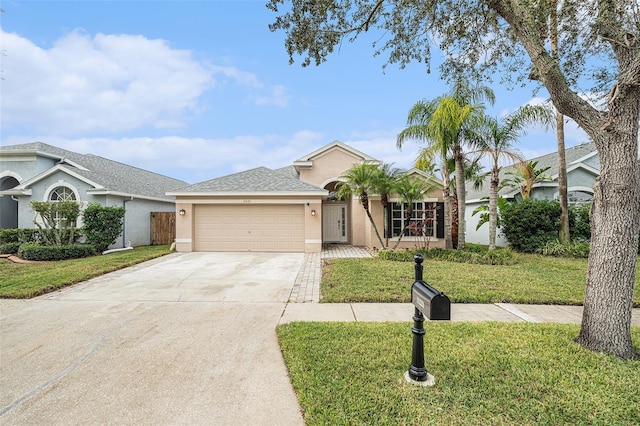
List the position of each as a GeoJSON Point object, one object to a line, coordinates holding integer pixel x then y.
{"type": "Point", "coordinates": [112, 175]}
{"type": "Point", "coordinates": [258, 180]}
{"type": "Point", "coordinates": [550, 160]}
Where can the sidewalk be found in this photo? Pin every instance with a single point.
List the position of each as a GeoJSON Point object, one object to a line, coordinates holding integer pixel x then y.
{"type": "Point", "coordinates": [303, 303]}
{"type": "Point", "coordinates": [398, 312]}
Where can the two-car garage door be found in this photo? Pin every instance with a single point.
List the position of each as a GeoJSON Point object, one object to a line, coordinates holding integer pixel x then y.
{"type": "Point", "coordinates": [255, 227]}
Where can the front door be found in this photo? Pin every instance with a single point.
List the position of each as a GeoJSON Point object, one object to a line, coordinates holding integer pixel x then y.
{"type": "Point", "coordinates": [334, 223]}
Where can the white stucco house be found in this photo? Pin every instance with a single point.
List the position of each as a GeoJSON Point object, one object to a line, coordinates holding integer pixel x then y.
{"type": "Point", "coordinates": [41, 172]}
{"type": "Point", "coordinates": [583, 167]}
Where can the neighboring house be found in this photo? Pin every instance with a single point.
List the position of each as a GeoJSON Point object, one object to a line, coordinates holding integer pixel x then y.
{"type": "Point", "coordinates": [583, 167]}
{"type": "Point", "coordinates": [293, 209]}
{"type": "Point", "coordinates": [40, 172]}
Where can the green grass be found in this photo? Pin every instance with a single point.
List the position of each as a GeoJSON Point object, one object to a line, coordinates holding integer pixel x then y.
{"type": "Point", "coordinates": [25, 280]}
{"type": "Point", "coordinates": [535, 279]}
{"type": "Point", "coordinates": [486, 374]}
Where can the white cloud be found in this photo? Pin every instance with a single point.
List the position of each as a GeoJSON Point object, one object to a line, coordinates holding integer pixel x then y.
{"type": "Point", "coordinates": [242, 78]}
{"type": "Point", "coordinates": [381, 145]}
{"type": "Point", "coordinates": [193, 159]}
{"type": "Point", "coordinates": [277, 97]}
{"type": "Point", "coordinates": [104, 83]}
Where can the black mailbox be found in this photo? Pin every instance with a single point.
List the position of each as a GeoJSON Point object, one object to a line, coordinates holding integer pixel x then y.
{"type": "Point", "coordinates": [433, 304]}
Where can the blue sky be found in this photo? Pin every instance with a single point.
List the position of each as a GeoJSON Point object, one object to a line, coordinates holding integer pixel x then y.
{"type": "Point", "coordinates": [200, 89]}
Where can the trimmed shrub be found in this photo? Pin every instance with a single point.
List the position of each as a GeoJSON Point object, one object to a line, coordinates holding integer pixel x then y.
{"type": "Point", "coordinates": [9, 248]}
{"type": "Point", "coordinates": [530, 224]}
{"type": "Point", "coordinates": [398, 256]}
{"type": "Point", "coordinates": [19, 235]}
{"type": "Point", "coordinates": [572, 249]}
{"type": "Point", "coordinates": [102, 225]}
{"type": "Point", "coordinates": [501, 256]}
{"type": "Point", "coordinates": [34, 251]}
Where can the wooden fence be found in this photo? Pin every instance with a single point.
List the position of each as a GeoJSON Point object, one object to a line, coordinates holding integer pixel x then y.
{"type": "Point", "coordinates": [163, 228]}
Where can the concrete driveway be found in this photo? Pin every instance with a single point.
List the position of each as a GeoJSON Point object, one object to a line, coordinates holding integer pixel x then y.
{"type": "Point", "coordinates": [184, 339]}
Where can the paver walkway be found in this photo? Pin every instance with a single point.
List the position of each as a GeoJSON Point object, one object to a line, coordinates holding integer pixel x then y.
{"type": "Point", "coordinates": [307, 286]}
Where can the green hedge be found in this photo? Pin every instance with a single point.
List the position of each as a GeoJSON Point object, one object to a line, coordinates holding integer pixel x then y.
{"type": "Point", "coordinates": [34, 251]}
{"type": "Point", "coordinates": [19, 235]}
{"type": "Point", "coordinates": [501, 256]}
{"type": "Point", "coordinates": [9, 248]}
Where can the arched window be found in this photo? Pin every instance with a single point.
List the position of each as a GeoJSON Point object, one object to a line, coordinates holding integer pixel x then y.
{"type": "Point", "coordinates": [62, 193]}
{"type": "Point", "coordinates": [579, 197]}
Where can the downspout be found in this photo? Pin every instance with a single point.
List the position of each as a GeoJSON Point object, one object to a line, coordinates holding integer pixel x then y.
{"type": "Point", "coordinates": [124, 221]}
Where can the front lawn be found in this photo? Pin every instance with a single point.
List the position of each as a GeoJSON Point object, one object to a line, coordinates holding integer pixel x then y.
{"type": "Point", "coordinates": [486, 374]}
{"type": "Point", "coordinates": [25, 280]}
{"type": "Point", "coordinates": [535, 279]}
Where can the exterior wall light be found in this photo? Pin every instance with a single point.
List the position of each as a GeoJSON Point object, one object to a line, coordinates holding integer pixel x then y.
{"type": "Point", "coordinates": [313, 212]}
{"type": "Point", "coordinates": [182, 212]}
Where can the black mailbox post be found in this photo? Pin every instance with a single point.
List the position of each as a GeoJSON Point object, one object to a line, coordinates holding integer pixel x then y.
{"type": "Point", "coordinates": [436, 306]}
{"type": "Point", "coordinates": [433, 304]}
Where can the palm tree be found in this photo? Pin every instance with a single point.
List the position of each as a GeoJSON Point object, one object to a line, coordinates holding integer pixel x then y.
{"type": "Point", "coordinates": [384, 183]}
{"type": "Point", "coordinates": [418, 129]}
{"type": "Point", "coordinates": [525, 175]}
{"type": "Point", "coordinates": [495, 139]}
{"type": "Point", "coordinates": [425, 161]}
{"type": "Point", "coordinates": [360, 180]}
{"type": "Point", "coordinates": [474, 173]}
{"type": "Point", "coordinates": [411, 190]}
{"type": "Point", "coordinates": [443, 124]}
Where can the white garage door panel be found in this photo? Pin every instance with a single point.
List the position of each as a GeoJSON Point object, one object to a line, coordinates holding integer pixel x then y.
{"type": "Point", "coordinates": [249, 228]}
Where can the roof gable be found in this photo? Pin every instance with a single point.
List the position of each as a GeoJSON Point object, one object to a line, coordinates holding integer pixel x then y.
{"type": "Point", "coordinates": [423, 175]}
{"type": "Point", "coordinates": [307, 160]}
{"type": "Point", "coordinates": [57, 168]}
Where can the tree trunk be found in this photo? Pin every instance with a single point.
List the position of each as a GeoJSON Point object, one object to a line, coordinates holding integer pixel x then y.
{"type": "Point", "coordinates": [454, 220]}
{"type": "Point", "coordinates": [563, 197]}
{"type": "Point", "coordinates": [563, 236]}
{"type": "Point", "coordinates": [460, 189]}
{"type": "Point", "coordinates": [493, 209]}
{"type": "Point", "coordinates": [615, 224]}
{"type": "Point", "coordinates": [446, 196]}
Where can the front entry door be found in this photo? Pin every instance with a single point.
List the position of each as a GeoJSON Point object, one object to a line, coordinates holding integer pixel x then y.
{"type": "Point", "coordinates": [334, 224]}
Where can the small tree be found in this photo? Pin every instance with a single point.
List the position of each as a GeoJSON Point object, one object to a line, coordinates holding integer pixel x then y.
{"type": "Point", "coordinates": [483, 211]}
{"type": "Point", "coordinates": [360, 180]}
{"type": "Point", "coordinates": [102, 225]}
{"type": "Point", "coordinates": [495, 139]}
{"type": "Point", "coordinates": [57, 222]}
{"type": "Point", "coordinates": [418, 227]}
{"type": "Point", "coordinates": [411, 190]}
{"type": "Point", "coordinates": [383, 183]}
{"type": "Point", "coordinates": [525, 176]}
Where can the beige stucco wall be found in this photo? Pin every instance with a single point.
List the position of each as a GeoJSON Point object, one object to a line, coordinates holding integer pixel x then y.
{"type": "Point", "coordinates": [184, 227]}
{"type": "Point", "coordinates": [328, 166]}
{"type": "Point", "coordinates": [313, 227]}
{"type": "Point", "coordinates": [357, 223]}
